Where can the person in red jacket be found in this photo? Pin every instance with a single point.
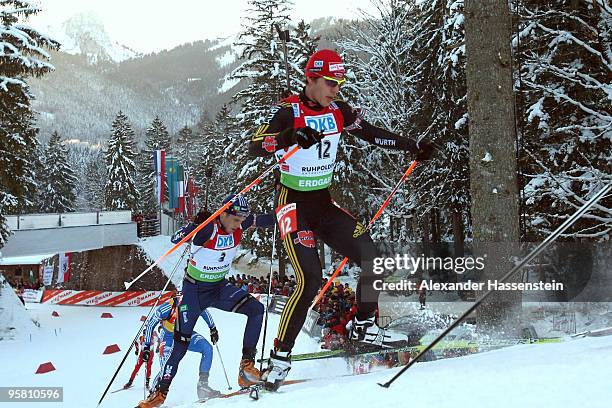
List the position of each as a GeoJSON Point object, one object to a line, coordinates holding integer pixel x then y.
{"type": "Point", "coordinates": [144, 356]}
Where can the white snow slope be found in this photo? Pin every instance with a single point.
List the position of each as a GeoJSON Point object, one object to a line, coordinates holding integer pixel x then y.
{"type": "Point", "coordinates": [16, 323]}
{"type": "Point", "coordinates": [574, 373]}
{"type": "Point", "coordinates": [155, 247]}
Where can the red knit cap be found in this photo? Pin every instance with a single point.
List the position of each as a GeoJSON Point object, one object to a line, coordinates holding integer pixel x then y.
{"type": "Point", "coordinates": [325, 63]}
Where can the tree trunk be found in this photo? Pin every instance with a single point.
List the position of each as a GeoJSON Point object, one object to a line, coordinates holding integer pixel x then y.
{"type": "Point", "coordinates": [426, 241]}
{"type": "Point", "coordinates": [435, 225]}
{"type": "Point", "coordinates": [414, 221]}
{"type": "Point", "coordinates": [493, 167]}
{"type": "Point", "coordinates": [458, 236]}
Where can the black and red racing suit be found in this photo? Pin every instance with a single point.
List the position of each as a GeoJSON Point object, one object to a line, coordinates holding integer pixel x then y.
{"type": "Point", "coordinates": [305, 209]}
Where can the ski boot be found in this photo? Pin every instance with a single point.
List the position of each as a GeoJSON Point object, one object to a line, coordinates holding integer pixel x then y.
{"type": "Point", "coordinates": [279, 365]}
{"type": "Point", "coordinates": [366, 331]}
{"type": "Point", "coordinates": [127, 385]}
{"type": "Point", "coordinates": [204, 390]}
{"type": "Point", "coordinates": [147, 380]}
{"type": "Point", "coordinates": [155, 399]}
{"type": "Point", "coordinates": [248, 374]}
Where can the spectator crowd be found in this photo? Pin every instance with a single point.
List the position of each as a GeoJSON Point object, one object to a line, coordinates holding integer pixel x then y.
{"type": "Point", "coordinates": [252, 284]}
{"type": "Point", "coordinates": [21, 284]}
{"type": "Point", "coordinates": [336, 308]}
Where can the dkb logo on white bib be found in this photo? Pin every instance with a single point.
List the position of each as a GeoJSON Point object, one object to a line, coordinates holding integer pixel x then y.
{"type": "Point", "coordinates": [324, 123]}
{"type": "Point", "coordinates": [224, 242]}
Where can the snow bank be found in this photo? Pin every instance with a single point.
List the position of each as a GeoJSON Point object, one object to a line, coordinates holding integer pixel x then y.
{"type": "Point", "coordinates": [572, 373]}
{"type": "Point", "coordinates": [15, 323]}
{"type": "Point", "coordinates": [154, 247]}
{"type": "Point", "coordinates": [554, 375]}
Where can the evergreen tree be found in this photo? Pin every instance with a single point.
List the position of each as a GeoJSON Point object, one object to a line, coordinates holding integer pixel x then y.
{"type": "Point", "coordinates": [5, 232]}
{"type": "Point", "coordinates": [493, 161]}
{"type": "Point", "coordinates": [95, 181]}
{"type": "Point", "coordinates": [226, 126]}
{"type": "Point", "coordinates": [38, 166]}
{"type": "Point", "coordinates": [565, 61]}
{"type": "Point", "coordinates": [206, 149]}
{"type": "Point", "coordinates": [23, 56]}
{"type": "Point", "coordinates": [263, 62]}
{"type": "Point", "coordinates": [300, 47]}
{"type": "Point", "coordinates": [156, 138]}
{"type": "Point", "coordinates": [225, 131]}
{"type": "Point", "coordinates": [57, 192]}
{"type": "Point", "coordinates": [439, 112]}
{"type": "Point", "coordinates": [120, 191]}
{"type": "Point", "coordinates": [184, 147]}
{"type": "Point", "coordinates": [377, 53]}
{"type": "Point", "coordinates": [80, 157]}
{"type": "Point", "coordinates": [264, 71]}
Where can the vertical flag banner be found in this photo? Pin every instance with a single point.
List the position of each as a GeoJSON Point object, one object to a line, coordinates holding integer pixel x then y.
{"type": "Point", "coordinates": [172, 168]}
{"type": "Point", "coordinates": [191, 193]}
{"type": "Point", "coordinates": [47, 275]}
{"type": "Point", "coordinates": [63, 274]}
{"type": "Point", "coordinates": [181, 190]}
{"type": "Point", "coordinates": [159, 158]}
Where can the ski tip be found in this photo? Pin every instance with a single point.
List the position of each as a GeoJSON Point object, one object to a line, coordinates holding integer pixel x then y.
{"type": "Point", "coordinates": [127, 285]}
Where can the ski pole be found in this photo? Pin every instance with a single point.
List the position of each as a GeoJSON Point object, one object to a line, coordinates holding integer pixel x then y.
{"type": "Point", "coordinates": [263, 345]}
{"type": "Point", "coordinates": [142, 326]}
{"type": "Point", "coordinates": [214, 215]}
{"type": "Point", "coordinates": [376, 216]}
{"type": "Point", "coordinates": [284, 36]}
{"type": "Point", "coordinates": [229, 387]}
{"type": "Point", "coordinates": [536, 251]}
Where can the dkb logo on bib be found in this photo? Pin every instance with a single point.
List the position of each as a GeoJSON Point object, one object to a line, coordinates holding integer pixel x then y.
{"type": "Point", "coordinates": [224, 242]}
{"type": "Point", "coordinates": [324, 123]}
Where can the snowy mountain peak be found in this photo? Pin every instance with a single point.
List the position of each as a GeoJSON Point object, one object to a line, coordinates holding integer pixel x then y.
{"type": "Point", "coordinates": [85, 34]}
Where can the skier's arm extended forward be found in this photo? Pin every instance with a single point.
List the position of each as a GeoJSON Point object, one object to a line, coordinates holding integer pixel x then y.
{"type": "Point", "coordinates": [356, 125]}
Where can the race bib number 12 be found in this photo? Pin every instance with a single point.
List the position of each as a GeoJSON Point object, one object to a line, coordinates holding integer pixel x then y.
{"type": "Point", "coordinates": [287, 219]}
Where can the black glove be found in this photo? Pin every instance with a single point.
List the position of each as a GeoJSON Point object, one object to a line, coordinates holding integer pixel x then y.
{"type": "Point", "coordinates": [421, 150]}
{"type": "Point", "coordinates": [214, 335]}
{"type": "Point", "coordinates": [305, 137]}
{"type": "Point", "coordinates": [145, 353]}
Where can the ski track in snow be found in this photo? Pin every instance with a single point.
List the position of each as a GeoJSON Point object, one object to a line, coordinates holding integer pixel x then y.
{"type": "Point", "coordinates": [573, 373]}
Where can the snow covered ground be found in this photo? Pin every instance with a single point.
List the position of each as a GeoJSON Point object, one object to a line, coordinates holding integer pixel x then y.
{"type": "Point", "coordinates": [16, 323]}
{"type": "Point", "coordinates": [573, 373]}
{"type": "Point", "coordinates": [156, 246]}
{"type": "Point", "coordinates": [75, 340]}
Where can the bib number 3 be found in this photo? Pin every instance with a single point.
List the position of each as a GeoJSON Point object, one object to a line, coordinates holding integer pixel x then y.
{"type": "Point", "coordinates": [287, 219]}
